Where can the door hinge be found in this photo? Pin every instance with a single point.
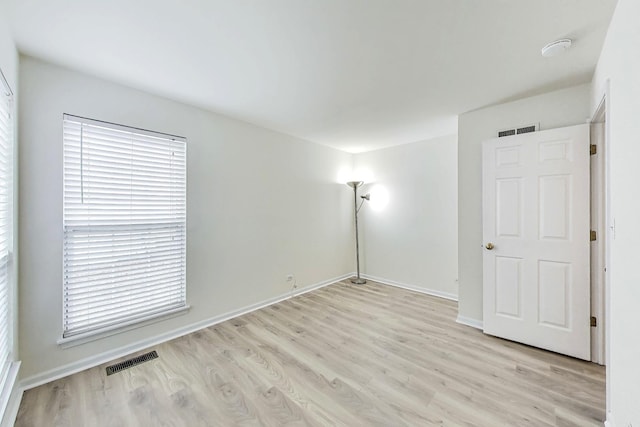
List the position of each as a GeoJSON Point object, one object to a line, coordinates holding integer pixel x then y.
{"type": "Point", "coordinates": [594, 321]}
{"type": "Point", "coordinates": [593, 149]}
{"type": "Point", "coordinates": [592, 235]}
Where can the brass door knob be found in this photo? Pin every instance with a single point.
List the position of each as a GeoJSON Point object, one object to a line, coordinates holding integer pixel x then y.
{"type": "Point", "coordinates": [489, 246]}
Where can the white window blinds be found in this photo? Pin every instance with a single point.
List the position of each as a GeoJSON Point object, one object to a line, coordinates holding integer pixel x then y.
{"type": "Point", "coordinates": [124, 225]}
{"type": "Point", "coordinates": [6, 227]}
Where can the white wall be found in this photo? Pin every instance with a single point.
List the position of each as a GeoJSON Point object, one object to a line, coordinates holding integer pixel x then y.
{"type": "Point", "coordinates": [620, 63]}
{"type": "Point", "coordinates": [260, 205]}
{"type": "Point", "coordinates": [552, 110]}
{"type": "Point", "coordinates": [8, 54]}
{"type": "Point", "coordinates": [413, 240]}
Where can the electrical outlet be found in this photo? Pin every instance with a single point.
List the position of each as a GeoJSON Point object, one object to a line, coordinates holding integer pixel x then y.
{"type": "Point", "coordinates": [289, 277]}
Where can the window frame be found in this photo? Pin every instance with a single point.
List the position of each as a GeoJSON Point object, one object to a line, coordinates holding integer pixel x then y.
{"type": "Point", "coordinates": [10, 367]}
{"type": "Point", "coordinates": [72, 337]}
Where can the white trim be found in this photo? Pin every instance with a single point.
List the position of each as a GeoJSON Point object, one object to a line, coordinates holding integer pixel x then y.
{"type": "Point", "coordinates": [432, 292]}
{"type": "Point", "coordinates": [474, 323]}
{"type": "Point", "coordinates": [598, 202]}
{"type": "Point", "coordinates": [9, 395]}
{"type": "Point", "coordinates": [90, 362]}
{"type": "Point", "coordinates": [13, 397]}
{"type": "Point", "coordinates": [123, 128]}
{"type": "Point", "coordinates": [76, 340]}
{"type": "Point", "coordinates": [604, 104]}
{"type": "Point", "coordinates": [609, 421]}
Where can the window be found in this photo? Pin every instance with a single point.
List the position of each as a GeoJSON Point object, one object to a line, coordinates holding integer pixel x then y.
{"type": "Point", "coordinates": [124, 226]}
{"type": "Point", "coordinates": [6, 228]}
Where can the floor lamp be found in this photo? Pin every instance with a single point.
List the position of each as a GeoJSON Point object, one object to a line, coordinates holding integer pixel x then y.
{"type": "Point", "coordinates": [355, 184]}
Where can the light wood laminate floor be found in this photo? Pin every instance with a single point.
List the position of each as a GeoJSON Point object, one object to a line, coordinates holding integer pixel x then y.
{"type": "Point", "coordinates": [342, 355]}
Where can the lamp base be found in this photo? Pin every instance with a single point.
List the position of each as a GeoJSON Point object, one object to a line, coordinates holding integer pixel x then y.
{"type": "Point", "coordinates": [358, 281]}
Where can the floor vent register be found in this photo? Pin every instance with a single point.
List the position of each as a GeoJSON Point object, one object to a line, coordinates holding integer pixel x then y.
{"type": "Point", "coordinates": [114, 369]}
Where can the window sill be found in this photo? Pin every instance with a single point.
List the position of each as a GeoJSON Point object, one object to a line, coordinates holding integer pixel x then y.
{"type": "Point", "coordinates": [80, 339]}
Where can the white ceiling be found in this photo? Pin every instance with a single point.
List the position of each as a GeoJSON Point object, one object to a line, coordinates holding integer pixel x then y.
{"type": "Point", "coordinates": [352, 74]}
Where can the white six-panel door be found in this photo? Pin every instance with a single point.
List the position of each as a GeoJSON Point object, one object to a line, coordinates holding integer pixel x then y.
{"type": "Point", "coordinates": [536, 222]}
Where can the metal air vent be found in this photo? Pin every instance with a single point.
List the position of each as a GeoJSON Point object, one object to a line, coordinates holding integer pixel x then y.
{"type": "Point", "coordinates": [113, 369]}
{"type": "Point", "coordinates": [506, 133]}
{"type": "Point", "coordinates": [526, 129]}
{"type": "Point", "coordinates": [518, 131]}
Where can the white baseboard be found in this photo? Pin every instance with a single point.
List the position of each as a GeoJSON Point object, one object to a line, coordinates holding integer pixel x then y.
{"type": "Point", "coordinates": [432, 292]}
{"type": "Point", "coordinates": [11, 396]}
{"type": "Point", "coordinates": [474, 323]}
{"type": "Point", "coordinates": [90, 362]}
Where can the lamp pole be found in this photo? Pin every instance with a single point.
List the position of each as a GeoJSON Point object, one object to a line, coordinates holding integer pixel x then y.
{"type": "Point", "coordinates": [355, 184]}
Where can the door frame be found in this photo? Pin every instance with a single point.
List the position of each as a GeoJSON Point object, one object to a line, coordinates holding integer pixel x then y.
{"type": "Point", "coordinates": [601, 114]}
{"type": "Point", "coordinates": [599, 220]}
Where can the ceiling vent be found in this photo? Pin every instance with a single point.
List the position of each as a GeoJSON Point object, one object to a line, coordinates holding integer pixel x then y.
{"type": "Point", "coordinates": [518, 131]}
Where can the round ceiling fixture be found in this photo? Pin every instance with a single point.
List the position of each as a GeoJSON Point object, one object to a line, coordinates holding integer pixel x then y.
{"type": "Point", "coordinates": [556, 47]}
